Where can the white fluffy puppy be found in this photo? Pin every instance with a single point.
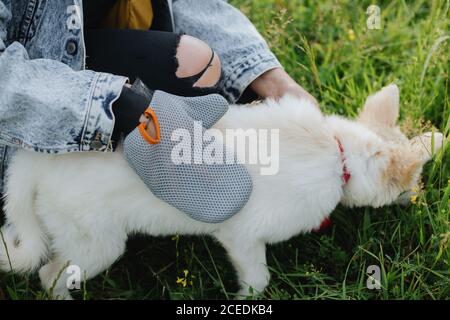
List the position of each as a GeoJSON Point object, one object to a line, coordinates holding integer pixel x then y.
{"type": "Point", "coordinates": [80, 208]}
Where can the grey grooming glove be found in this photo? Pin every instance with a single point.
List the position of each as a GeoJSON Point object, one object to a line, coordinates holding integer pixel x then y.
{"type": "Point", "coordinates": [206, 192]}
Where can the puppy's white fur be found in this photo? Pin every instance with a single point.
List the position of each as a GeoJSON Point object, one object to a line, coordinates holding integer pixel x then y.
{"type": "Point", "coordinates": [80, 208]}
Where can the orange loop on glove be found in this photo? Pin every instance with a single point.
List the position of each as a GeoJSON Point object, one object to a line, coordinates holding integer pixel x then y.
{"type": "Point", "coordinates": [150, 114]}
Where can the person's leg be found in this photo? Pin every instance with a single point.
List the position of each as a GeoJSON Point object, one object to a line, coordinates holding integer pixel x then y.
{"type": "Point", "coordinates": [193, 57]}
{"type": "Point", "coordinates": [179, 64]}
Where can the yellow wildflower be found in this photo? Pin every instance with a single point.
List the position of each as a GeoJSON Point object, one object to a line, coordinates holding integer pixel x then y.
{"type": "Point", "coordinates": [182, 281]}
{"type": "Point", "coordinates": [351, 34]}
{"type": "Point", "coordinates": [413, 199]}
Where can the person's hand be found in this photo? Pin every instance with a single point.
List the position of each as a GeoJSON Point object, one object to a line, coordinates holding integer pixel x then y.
{"type": "Point", "coordinates": [276, 82]}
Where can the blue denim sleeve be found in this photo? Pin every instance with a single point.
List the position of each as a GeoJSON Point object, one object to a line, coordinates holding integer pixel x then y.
{"type": "Point", "coordinates": [244, 53]}
{"type": "Point", "coordinates": [48, 107]}
{"type": "Point", "coordinates": [5, 17]}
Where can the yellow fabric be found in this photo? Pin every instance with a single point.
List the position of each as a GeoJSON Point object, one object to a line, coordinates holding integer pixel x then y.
{"type": "Point", "coordinates": [130, 14]}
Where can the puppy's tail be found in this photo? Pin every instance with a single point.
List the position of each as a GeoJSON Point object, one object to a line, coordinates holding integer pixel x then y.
{"type": "Point", "coordinates": [23, 245]}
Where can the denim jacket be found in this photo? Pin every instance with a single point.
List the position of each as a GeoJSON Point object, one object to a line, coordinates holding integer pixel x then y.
{"type": "Point", "coordinates": [50, 103]}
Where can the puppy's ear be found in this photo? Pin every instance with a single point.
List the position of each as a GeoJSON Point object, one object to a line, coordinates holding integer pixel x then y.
{"type": "Point", "coordinates": [426, 145]}
{"type": "Point", "coordinates": [382, 108]}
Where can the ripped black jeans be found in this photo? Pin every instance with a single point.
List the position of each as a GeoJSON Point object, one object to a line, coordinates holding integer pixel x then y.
{"type": "Point", "coordinates": [147, 55]}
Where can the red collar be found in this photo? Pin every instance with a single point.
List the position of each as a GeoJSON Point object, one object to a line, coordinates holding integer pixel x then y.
{"type": "Point", "coordinates": [345, 173]}
{"type": "Point", "coordinates": [326, 223]}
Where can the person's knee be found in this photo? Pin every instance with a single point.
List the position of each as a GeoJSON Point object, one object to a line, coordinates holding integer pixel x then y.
{"type": "Point", "coordinates": [193, 57]}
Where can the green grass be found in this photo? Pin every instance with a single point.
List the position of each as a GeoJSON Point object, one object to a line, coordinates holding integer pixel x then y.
{"type": "Point", "coordinates": [327, 47]}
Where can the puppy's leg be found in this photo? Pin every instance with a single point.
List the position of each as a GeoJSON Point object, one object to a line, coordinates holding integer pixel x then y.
{"type": "Point", "coordinates": [80, 261]}
{"type": "Point", "coordinates": [54, 280]}
{"type": "Point", "coordinates": [249, 259]}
